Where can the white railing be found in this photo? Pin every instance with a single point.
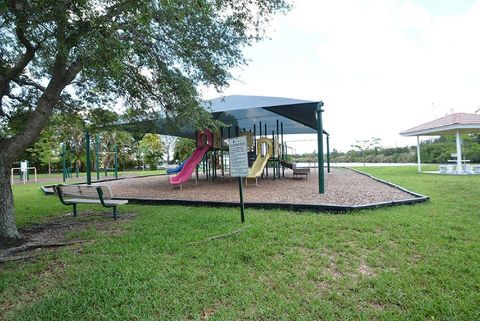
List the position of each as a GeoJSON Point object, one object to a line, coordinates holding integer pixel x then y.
{"type": "Point", "coordinates": [24, 176]}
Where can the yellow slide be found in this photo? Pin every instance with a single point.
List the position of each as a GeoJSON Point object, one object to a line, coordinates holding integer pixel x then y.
{"type": "Point", "coordinates": [261, 161]}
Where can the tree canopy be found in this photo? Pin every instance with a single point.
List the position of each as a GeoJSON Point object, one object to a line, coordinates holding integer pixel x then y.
{"type": "Point", "coordinates": [147, 56]}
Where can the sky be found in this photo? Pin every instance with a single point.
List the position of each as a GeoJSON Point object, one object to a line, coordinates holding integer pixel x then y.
{"type": "Point", "coordinates": [379, 66]}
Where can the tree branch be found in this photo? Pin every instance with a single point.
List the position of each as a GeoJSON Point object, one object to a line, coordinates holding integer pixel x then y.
{"type": "Point", "coordinates": [62, 76]}
{"type": "Point", "coordinates": [22, 63]}
{"type": "Point", "coordinates": [25, 81]}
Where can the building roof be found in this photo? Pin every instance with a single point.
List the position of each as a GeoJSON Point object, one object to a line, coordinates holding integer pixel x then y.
{"type": "Point", "coordinates": [246, 112]}
{"type": "Point", "coordinates": [448, 125]}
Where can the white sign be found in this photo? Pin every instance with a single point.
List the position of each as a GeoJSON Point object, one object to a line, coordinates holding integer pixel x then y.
{"type": "Point", "coordinates": [23, 166]}
{"type": "Point", "coordinates": [238, 156]}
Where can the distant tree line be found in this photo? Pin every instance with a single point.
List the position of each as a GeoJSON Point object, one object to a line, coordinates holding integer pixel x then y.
{"type": "Point", "coordinates": [436, 150]}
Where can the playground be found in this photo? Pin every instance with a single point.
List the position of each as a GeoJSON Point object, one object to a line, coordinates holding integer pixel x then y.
{"type": "Point", "coordinates": [272, 180]}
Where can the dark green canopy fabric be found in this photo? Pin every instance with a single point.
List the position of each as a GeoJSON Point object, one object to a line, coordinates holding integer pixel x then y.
{"type": "Point", "coordinates": [297, 116]}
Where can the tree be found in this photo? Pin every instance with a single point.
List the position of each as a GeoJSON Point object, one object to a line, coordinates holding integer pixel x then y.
{"type": "Point", "coordinates": [169, 145]}
{"type": "Point", "coordinates": [152, 149]}
{"type": "Point", "coordinates": [152, 55]}
{"type": "Point", "coordinates": [46, 149]}
{"type": "Point", "coordinates": [184, 147]}
{"type": "Point", "coordinates": [365, 145]}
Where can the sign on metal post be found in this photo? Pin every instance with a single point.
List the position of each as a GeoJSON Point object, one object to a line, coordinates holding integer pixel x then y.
{"type": "Point", "coordinates": [239, 165]}
{"type": "Point", "coordinates": [23, 166]}
{"type": "Point", "coordinates": [24, 170]}
{"type": "Point", "coordinates": [238, 156]}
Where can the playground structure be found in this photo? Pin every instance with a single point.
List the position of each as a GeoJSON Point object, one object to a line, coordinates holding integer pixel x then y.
{"type": "Point", "coordinates": [67, 169]}
{"type": "Point", "coordinates": [256, 117]}
{"type": "Point", "coordinates": [24, 175]}
{"type": "Point", "coordinates": [264, 150]}
{"type": "Point", "coordinates": [204, 143]}
{"type": "Point", "coordinates": [265, 153]}
{"type": "Point", "coordinates": [105, 163]}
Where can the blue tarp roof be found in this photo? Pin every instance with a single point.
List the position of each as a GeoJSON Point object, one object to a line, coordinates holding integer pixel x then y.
{"type": "Point", "coordinates": [298, 116]}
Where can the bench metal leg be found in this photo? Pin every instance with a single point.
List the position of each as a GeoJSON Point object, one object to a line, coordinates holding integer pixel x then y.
{"type": "Point", "coordinates": [74, 210]}
{"type": "Point", "coordinates": [114, 212]}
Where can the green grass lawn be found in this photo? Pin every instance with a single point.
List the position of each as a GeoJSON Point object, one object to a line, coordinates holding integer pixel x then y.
{"type": "Point", "coordinates": [110, 174]}
{"type": "Point", "coordinates": [419, 262]}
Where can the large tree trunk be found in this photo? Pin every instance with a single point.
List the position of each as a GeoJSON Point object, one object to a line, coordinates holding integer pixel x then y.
{"type": "Point", "coordinates": [13, 147]}
{"type": "Point", "coordinates": [8, 228]}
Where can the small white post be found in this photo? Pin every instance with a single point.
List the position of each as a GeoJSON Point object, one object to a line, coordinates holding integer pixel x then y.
{"type": "Point", "coordinates": [418, 155]}
{"type": "Point", "coordinates": [459, 153]}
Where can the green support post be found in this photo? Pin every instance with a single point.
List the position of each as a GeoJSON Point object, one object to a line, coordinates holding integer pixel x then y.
{"type": "Point", "coordinates": [328, 153]}
{"type": "Point", "coordinates": [278, 151]}
{"type": "Point", "coordinates": [97, 156]}
{"type": "Point", "coordinates": [221, 152]}
{"type": "Point", "coordinates": [115, 160]}
{"type": "Point", "coordinates": [214, 160]}
{"type": "Point", "coordinates": [64, 163]}
{"type": "Point", "coordinates": [88, 164]}
{"type": "Point", "coordinates": [273, 155]}
{"type": "Point", "coordinates": [321, 174]}
{"type": "Point", "coordinates": [283, 149]}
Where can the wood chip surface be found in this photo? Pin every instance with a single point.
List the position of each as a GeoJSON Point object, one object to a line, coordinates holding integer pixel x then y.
{"type": "Point", "coordinates": [342, 187]}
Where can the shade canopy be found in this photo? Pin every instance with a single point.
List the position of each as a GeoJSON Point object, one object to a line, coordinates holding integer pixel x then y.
{"type": "Point", "coordinates": [246, 112]}
{"type": "Point", "coordinates": [448, 125]}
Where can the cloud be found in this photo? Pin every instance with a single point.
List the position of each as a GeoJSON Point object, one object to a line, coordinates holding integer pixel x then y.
{"type": "Point", "coordinates": [377, 64]}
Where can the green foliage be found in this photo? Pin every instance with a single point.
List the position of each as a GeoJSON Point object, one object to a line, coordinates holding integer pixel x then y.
{"type": "Point", "coordinates": [46, 150]}
{"type": "Point", "coordinates": [184, 147]}
{"type": "Point", "coordinates": [437, 150]}
{"type": "Point", "coordinates": [151, 148]}
{"type": "Point", "coordinates": [152, 55]}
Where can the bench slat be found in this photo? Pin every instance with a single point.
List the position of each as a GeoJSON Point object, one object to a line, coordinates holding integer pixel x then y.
{"type": "Point", "coordinates": [82, 191]}
{"type": "Point", "coordinates": [92, 201]}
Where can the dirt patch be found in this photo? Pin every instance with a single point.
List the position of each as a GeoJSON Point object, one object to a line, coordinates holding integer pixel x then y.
{"type": "Point", "coordinates": [377, 306]}
{"type": "Point", "coordinates": [365, 270]}
{"type": "Point", "coordinates": [60, 232]}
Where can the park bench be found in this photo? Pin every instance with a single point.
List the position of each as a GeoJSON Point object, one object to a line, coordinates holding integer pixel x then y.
{"type": "Point", "coordinates": [301, 171]}
{"type": "Point", "coordinates": [83, 194]}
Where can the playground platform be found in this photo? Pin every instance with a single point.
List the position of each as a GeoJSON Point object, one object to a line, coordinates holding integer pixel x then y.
{"type": "Point", "coordinates": [345, 189]}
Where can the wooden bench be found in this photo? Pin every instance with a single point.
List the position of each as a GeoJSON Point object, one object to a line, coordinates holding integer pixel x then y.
{"type": "Point", "coordinates": [84, 194]}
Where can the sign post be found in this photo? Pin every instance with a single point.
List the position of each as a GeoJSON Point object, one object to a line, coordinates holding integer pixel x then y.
{"type": "Point", "coordinates": [239, 165]}
{"type": "Point", "coordinates": [24, 170]}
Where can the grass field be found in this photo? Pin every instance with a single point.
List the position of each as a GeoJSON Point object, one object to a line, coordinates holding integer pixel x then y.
{"type": "Point", "coordinates": [418, 262]}
{"type": "Point", "coordinates": [110, 174]}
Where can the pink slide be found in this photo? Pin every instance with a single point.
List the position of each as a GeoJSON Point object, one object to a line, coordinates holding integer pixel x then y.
{"type": "Point", "coordinates": [192, 162]}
